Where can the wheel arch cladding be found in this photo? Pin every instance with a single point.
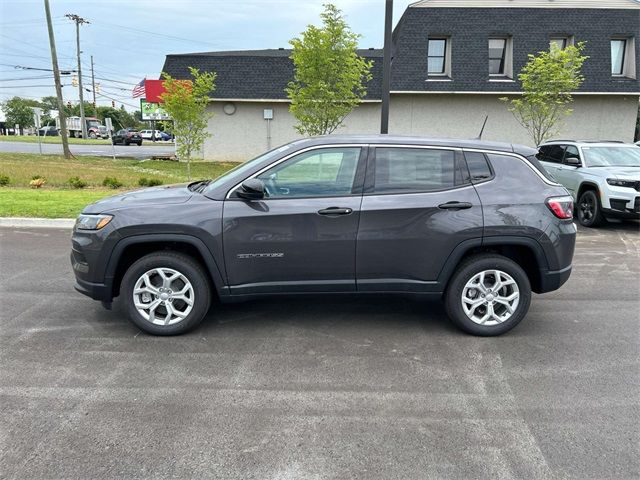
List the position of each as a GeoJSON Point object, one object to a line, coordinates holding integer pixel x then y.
{"type": "Point", "coordinates": [130, 249]}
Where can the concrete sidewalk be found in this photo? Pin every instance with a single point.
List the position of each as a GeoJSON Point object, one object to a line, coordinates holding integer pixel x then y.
{"type": "Point", "coordinates": [26, 222]}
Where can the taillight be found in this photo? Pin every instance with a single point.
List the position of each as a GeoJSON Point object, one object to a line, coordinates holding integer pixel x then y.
{"type": "Point", "coordinates": [561, 207]}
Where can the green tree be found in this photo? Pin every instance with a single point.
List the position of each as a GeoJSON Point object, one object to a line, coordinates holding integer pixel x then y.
{"type": "Point", "coordinates": [547, 82]}
{"type": "Point", "coordinates": [330, 77]}
{"type": "Point", "coordinates": [186, 102]}
{"type": "Point", "coordinates": [20, 110]}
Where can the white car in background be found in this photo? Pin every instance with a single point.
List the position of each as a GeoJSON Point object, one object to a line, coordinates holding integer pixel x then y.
{"type": "Point", "coordinates": [148, 134]}
{"type": "Point", "coordinates": [602, 177]}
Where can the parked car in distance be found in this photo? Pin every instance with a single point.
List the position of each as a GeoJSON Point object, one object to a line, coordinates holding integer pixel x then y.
{"type": "Point", "coordinates": [150, 134]}
{"type": "Point", "coordinates": [166, 136]}
{"type": "Point", "coordinates": [474, 222]}
{"type": "Point", "coordinates": [602, 177]}
{"type": "Point", "coordinates": [127, 136]}
{"type": "Point", "coordinates": [48, 131]}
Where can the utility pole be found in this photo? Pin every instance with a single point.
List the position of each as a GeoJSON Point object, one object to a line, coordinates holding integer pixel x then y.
{"type": "Point", "coordinates": [79, 21]}
{"type": "Point", "coordinates": [56, 76]}
{"type": "Point", "coordinates": [93, 83]}
{"type": "Point", "coordinates": [386, 67]}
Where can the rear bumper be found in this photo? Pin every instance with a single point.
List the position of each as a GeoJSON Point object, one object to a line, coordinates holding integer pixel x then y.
{"type": "Point", "coordinates": [551, 280]}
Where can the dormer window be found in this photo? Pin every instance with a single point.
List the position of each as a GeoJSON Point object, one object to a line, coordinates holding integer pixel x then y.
{"type": "Point", "coordinates": [501, 57]}
{"type": "Point", "coordinates": [439, 57]}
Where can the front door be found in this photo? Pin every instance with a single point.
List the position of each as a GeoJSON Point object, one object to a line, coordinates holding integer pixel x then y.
{"type": "Point", "coordinates": [418, 206]}
{"type": "Point", "coordinates": [301, 236]}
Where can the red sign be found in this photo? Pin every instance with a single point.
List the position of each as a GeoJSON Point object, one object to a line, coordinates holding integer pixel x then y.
{"type": "Point", "coordinates": [154, 88]}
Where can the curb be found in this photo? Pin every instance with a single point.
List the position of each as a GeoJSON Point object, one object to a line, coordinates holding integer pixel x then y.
{"type": "Point", "coordinates": [37, 222]}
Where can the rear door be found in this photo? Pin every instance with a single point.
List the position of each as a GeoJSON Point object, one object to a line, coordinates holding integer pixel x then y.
{"type": "Point", "coordinates": [551, 158]}
{"type": "Point", "coordinates": [302, 236]}
{"type": "Point", "coordinates": [417, 207]}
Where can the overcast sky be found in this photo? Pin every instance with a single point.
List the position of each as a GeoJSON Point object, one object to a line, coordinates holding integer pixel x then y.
{"type": "Point", "coordinates": [129, 39]}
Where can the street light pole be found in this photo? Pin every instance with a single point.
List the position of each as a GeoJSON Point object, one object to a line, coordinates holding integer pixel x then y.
{"type": "Point", "coordinates": [386, 67]}
{"type": "Point", "coordinates": [79, 21]}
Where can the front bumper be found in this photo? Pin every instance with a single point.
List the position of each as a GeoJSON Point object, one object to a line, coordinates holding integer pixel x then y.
{"type": "Point", "coordinates": [623, 208]}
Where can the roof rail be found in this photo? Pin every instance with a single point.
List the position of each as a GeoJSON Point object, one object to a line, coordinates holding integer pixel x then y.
{"type": "Point", "coordinates": [560, 140]}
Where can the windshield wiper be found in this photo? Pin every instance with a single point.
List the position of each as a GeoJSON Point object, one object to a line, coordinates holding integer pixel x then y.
{"type": "Point", "coordinates": [199, 186]}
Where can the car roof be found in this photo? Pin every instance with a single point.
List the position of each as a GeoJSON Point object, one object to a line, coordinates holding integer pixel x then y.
{"type": "Point", "coordinates": [374, 139]}
{"type": "Point", "coordinates": [590, 143]}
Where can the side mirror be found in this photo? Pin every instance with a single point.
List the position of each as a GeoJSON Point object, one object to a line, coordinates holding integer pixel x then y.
{"type": "Point", "coordinates": [574, 162]}
{"type": "Point", "coordinates": [252, 189]}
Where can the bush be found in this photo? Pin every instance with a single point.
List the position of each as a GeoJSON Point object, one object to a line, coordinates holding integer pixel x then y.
{"type": "Point", "coordinates": [149, 182]}
{"type": "Point", "coordinates": [111, 182]}
{"type": "Point", "coordinates": [37, 177]}
{"type": "Point", "coordinates": [4, 180]}
{"type": "Point", "coordinates": [76, 182]}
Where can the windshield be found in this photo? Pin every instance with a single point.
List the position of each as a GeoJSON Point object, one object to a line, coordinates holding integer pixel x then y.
{"type": "Point", "coordinates": [238, 173]}
{"type": "Point", "coordinates": [611, 156]}
{"type": "Point", "coordinates": [93, 123]}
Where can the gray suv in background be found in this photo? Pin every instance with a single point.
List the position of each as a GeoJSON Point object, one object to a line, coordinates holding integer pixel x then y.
{"type": "Point", "coordinates": [476, 223]}
{"type": "Point", "coordinates": [602, 177]}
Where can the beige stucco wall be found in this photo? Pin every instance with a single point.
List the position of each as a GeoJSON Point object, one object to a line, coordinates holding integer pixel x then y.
{"type": "Point", "coordinates": [243, 135]}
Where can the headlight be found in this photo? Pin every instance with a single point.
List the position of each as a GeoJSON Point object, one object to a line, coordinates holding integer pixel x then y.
{"type": "Point", "coordinates": [621, 183]}
{"type": "Point", "coordinates": [92, 222]}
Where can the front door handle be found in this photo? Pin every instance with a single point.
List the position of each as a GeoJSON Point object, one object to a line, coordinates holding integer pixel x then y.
{"type": "Point", "coordinates": [335, 211]}
{"type": "Point", "coordinates": [455, 205]}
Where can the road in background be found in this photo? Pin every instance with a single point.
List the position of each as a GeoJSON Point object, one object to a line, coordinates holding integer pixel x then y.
{"type": "Point", "coordinates": [131, 151]}
{"type": "Point", "coordinates": [358, 388]}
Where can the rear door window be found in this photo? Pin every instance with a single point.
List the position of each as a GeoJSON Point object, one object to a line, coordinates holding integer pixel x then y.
{"type": "Point", "coordinates": [412, 170]}
{"type": "Point", "coordinates": [478, 166]}
{"type": "Point", "coordinates": [551, 153]}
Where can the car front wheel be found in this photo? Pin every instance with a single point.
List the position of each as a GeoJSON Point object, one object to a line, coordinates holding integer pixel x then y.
{"type": "Point", "coordinates": [166, 293]}
{"type": "Point", "coordinates": [488, 295]}
{"type": "Point", "coordinates": [589, 209]}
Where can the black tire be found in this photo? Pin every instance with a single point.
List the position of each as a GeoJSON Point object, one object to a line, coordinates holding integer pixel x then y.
{"type": "Point", "coordinates": [188, 267]}
{"type": "Point", "coordinates": [93, 135]}
{"type": "Point", "coordinates": [465, 272]}
{"type": "Point", "coordinates": [589, 209]}
{"type": "Point", "coordinates": [126, 143]}
{"type": "Point", "coordinates": [139, 144]}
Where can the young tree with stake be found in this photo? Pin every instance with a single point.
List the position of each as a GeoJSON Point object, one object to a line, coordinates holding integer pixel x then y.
{"type": "Point", "coordinates": [186, 102]}
{"type": "Point", "coordinates": [330, 77]}
{"type": "Point", "coordinates": [547, 82]}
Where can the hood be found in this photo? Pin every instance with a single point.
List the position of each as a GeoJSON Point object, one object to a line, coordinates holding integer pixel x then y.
{"type": "Point", "coordinates": [623, 173]}
{"type": "Point", "coordinates": [164, 195]}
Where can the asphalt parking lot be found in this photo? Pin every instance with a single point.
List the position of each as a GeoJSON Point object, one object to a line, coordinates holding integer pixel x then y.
{"type": "Point", "coordinates": [313, 389]}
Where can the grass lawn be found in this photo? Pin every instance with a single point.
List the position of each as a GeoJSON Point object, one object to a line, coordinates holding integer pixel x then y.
{"type": "Point", "coordinates": [57, 199]}
{"type": "Point", "coordinates": [47, 203]}
{"type": "Point", "coordinates": [57, 139]}
{"type": "Point", "coordinates": [72, 140]}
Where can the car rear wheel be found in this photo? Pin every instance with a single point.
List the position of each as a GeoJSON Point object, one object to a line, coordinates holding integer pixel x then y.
{"type": "Point", "coordinates": [488, 295]}
{"type": "Point", "coordinates": [166, 293]}
{"type": "Point", "coordinates": [589, 209]}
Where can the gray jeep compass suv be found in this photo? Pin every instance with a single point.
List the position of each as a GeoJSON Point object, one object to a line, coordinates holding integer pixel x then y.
{"type": "Point", "coordinates": [474, 222]}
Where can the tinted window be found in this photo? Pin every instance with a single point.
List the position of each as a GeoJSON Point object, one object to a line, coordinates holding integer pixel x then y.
{"type": "Point", "coordinates": [413, 170]}
{"type": "Point", "coordinates": [478, 166]}
{"type": "Point", "coordinates": [317, 173]}
{"type": "Point", "coordinates": [551, 153]}
{"type": "Point", "coordinates": [571, 152]}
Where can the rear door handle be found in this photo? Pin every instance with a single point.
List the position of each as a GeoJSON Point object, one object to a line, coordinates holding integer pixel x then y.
{"type": "Point", "coordinates": [455, 205]}
{"type": "Point", "coordinates": [335, 211]}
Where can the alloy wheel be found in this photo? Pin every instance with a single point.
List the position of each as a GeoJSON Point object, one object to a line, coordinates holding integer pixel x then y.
{"type": "Point", "coordinates": [490, 297]}
{"type": "Point", "coordinates": [163, 296]}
